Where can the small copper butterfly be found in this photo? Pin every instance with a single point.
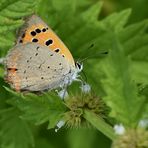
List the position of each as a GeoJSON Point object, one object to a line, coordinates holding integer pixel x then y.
{"type": "Point", "coordinates": [39, 60]}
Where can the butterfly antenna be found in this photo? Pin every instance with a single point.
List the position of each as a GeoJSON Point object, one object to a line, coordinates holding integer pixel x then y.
{"type": "Point", "coordinates": [90, 54]}
{"type": "Point", "coordinates": [93, 56]}
{"type": "Point", "coordinates": [85, 77]}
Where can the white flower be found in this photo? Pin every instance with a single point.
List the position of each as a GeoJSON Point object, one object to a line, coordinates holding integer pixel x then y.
{"type": "Point", "coordinates": [143, 123]}
{"type": "Point", "coordinates": [59, 125]}
{"type": "Point", "coordinates": [119, 129]}
{"type": "Point", "coordinates": [85, 88]}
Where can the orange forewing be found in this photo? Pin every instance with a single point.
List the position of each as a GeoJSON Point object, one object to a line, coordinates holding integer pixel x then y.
{"type": "Point", "coordinates": [42, 36]}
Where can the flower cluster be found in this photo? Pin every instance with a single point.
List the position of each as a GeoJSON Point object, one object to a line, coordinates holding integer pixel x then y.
{"type": "Point", "coordinates": [77, 104]}
{"type": "Point", "coordinates": [132, 138]}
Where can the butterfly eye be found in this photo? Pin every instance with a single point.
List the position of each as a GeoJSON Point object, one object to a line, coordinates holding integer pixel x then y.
{"type": "Point", "coordinates": [79, 66]}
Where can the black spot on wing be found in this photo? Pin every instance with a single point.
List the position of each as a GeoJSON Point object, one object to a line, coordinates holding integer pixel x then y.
{"type": "Point", "coordinates": [57, 50]}
{"type": "Point", "coordinates": [23, 35]}
{"type": "Point", "coordinates": [21, 41]}
{"type": "Point", "coordinates": [48, 42]}
{"type": "Point", "coordinates": [37, 48]}
{"type": "Point", "coordinates": [36, 54]}
{"type": "Point", "coordinates": [33, 33]}
{"type": "Point", "coordinates": [37, 30]}
{"type": "Point", "coordinates": [14, 69]}
{"type": "Point", "coordinates": [35, 40]}
{"type": "Point", "coordinates": [43, 30]}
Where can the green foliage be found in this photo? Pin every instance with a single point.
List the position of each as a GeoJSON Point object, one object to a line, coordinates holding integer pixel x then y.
{"type": "Point", "coordinates": [11, 13]}
{"type": "Point", "coordinates": [134, 38]}
{"type": "Point", "coordinates": [117, 21]}
{"type": "Point", "coordinates": [15, 132]}
{"type": "Point", "coordinates": [117, 69]}
{"type": "Point", "coordinates": [76, 138]}
{"type": "Point", "coordinates": [122, 92]}
{"type": "Point", "coordinates": [39, 109]}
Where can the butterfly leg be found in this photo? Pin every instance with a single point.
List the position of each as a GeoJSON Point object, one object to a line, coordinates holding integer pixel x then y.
{"type": "Point", "coordinates": [64, 88]}
{"type": "Point", "coordinates": [63, 93]}
{"type": "Point", "coordinates": [85, 87]}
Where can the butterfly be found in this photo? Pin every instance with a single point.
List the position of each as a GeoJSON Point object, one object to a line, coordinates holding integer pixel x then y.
{"type": "Point", "coordinates": [39, 61]}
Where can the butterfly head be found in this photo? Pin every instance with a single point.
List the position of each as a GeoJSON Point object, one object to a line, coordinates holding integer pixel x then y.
{"type": "Point", "coordinates": [79, 66]}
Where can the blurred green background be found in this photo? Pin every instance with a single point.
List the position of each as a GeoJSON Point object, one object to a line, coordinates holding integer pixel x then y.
{"type": "Point", "coordinates": [139, 8]}
{"type": "Point", "coordinates": [79, 138]}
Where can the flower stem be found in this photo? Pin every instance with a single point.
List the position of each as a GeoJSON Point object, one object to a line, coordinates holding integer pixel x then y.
{"type": "Point", "coordinates": [100, 124]}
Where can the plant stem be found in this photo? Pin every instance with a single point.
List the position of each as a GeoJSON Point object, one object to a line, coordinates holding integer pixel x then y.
{"type": "Point", "coordinates": [100, 124]}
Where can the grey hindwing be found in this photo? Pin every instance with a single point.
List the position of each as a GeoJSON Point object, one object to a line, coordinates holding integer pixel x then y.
{"type": "Point", "coordinates": [39, 68]}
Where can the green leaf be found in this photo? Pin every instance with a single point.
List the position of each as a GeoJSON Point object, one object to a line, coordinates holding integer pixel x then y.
{"type": "Point", "coordinates": [14, 93]}
{"type": "Point", "coordinates": [121, 90]}
{"type": "Point", "coordinates": [11, 13]}
{"type": "Point", "coordinates": [116, 21]}
{"type": "Point", "coordinates": [140, 71]}
{"type": "Point", "coordinates": [91, 15]}
{"type": "Point", "coordinates": [100, 124]}
{"type": "Point", "coordinates": [40, 109]}
{"type": "Point", "coordinates": [134, 39]}
{"type": "Point", "coordinates": [58, 12]}
{"type": "Point", "coordinates": [9, 24]}
{"type": "Point", "coordinates": [144, 91]}
{"type": "Point", "coordinates": [15, 9]}
{"type": "Point", "coordinates": [59, 5]}
{"type": "Point", "coordinates": [15, 132]}
{"type": "Point", "coordinates": [5, 42]}
{"type": "Point", "coordinates": [4, 95]}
